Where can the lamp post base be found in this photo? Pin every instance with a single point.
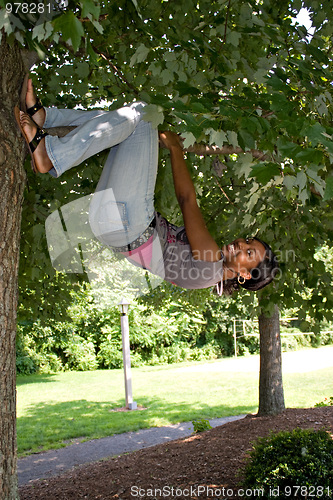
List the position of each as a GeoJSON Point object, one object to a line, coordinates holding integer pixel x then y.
{"type": "Point", "coordinates": [132, 406]}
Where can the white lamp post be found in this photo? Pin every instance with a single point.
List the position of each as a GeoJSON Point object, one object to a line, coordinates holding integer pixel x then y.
{"type": "Point", "coordinates": [123, 306]}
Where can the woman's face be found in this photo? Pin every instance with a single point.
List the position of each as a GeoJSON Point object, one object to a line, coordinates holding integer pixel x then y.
{"type": "Point", "coordinates": [243, 255]}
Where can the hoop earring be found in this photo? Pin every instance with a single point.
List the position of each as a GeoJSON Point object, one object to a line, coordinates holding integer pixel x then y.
{"type": "Point", "coordinates": [241, 280]}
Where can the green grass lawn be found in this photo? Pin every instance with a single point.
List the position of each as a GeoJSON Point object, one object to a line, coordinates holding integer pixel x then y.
{"type": "Point", "coordinates": [54, 409]}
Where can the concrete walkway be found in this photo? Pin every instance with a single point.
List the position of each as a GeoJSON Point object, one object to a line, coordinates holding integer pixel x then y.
{"type": "Point", "coordinates": [302, 361]}
{"type": "Point", "coordinates": [54, 462]}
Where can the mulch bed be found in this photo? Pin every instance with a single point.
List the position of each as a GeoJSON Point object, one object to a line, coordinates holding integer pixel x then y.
{"type": "Point", "coordinates": [203, 466]}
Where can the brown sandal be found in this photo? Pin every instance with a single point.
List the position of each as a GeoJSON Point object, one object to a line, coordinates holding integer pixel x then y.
{"type": "Point", "coordinates": [33, 109]}
{"type": "Point", "coordinates": [32, 145]}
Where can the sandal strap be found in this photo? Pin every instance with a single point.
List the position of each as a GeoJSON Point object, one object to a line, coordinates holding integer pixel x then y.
{"type": "Point", "coordinates": [36, 107]}
{"type": "Point", "coordinates": [40, 134]}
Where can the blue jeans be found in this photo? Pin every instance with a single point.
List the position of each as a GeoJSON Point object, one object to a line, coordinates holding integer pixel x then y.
{"type": "Point", "coordinates": [123, 204]}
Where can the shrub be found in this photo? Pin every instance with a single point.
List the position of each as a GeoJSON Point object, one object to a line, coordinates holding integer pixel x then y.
{"type": "Point", "coordinates": [80, 354]}
{"type": "Point", "coordinates": [110, 355]}
{"type": "Point", "coordinates": [48, 362]}
{"type": "Point", "coordinates": [326, 402]}
{"type": "Point", "coordinates": [297, 464]}
{"type": "Point", "coordinates": [201, 425]}
{"type": "Point", "coordinates": [26, 362]}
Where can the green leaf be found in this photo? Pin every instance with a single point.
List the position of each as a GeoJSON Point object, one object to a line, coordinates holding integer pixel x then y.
{"type": "Point", "coordinates": [246, 162]}
{"type": "Point", "coordinates": [192, 125]}
{"type": "Point", "coordinates": [38, 32]}
{"type": "Point", "coordinates": [198, 107]}
{"type": "Point", "coordinates": [135, 3]}
{"type": "Point", "coordinates": [297, 5]}
{"type": "Point", "coordinates": [329, 189]}
{"type": "Point", "coordinates": [167, 76]}
{"type": "Point", "coordinates": [289, 181]}
{"type": "Point", "coordinates": [303, 196]}
{"type": "Point", "coordinates": [186, 89]}
{"type": "Point", "coordinates": [39, 48]}
{"type": "Point", "coordinates": [309, 155]}
{"type": "Point", "coordinates": [247, 220]}
{"type": "Point", "coordinates": [9, 22]}
{"type": "Point", "coordinates": [253, 199]}
{"type": "Point", "coordinates": [315, 133]}
{"type": "Point", "coordinates": [89, 7]}
{"type": "Point", "coordinates": [328, 142]}
{"type": "Point", "coordinates": [318, 54]}
{"type": "Point", "coordinates": [234, 38]}
{"type": "Point", "coordinates": [246, 140]}
{"type": "Point", "coordinates": [287, 148]}
{"type": "Point", "coordinates": [217, 137]}
{"type": "Point", "coordinates": [140, 54]}
{"type": "Point", "coordinates": [264, 172]}
{"type": "Point", "coordinates": [301, 180]}
{"type": "Point", "coordinates": [153, 114]}
{"type": "Point", "coordinates": [260, 76]}
{"type": "Point", "coordinates": [276, 83]}
{"type": "Point", "coordinates": [321, 106]}
{"type": "Point", "coordinates": [189, 139]}
{"type": "Point", "coordinates": [82, 69]}
{"type": "Point", "coordinates": [163, 100]}
{"type": "Point", "coordinates": [180, 106]}
{"type": "Point", "coordinates": [70, 28]}
{"type": "Point", "coordinates": [96, 24]}
{"type": "Point", "coordinates": [232, 138]}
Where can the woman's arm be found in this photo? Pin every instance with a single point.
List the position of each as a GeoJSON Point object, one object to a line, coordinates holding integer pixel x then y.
{"type": "Point", "coordinates": [202, 244]}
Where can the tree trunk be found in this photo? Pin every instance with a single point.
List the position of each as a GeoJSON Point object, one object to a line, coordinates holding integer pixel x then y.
{"type": "Point", "coordinates": [12, 182]}
{"type": "Point", "coordinates": [271, 398]}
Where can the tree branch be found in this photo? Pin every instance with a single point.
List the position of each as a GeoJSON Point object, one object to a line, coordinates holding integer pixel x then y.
{"type": "Point", "coordinates": [59, 131]}
{"type": "Point", "coordinates": [226, 23]}
{"type": "Point", "coordinates": [116, 70]}
{"type": "Point", "coordinates": [29, 58]}
{"type": "Point", "coordinates": [87, 20]}
{"type": "Point", "coordinates": [203, 150]}
{"type": "Point", "coordinates": [198, 149]}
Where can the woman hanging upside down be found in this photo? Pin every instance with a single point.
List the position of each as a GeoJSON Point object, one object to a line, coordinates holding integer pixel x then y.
{"type": "Point", "coordinates": [122, 214]}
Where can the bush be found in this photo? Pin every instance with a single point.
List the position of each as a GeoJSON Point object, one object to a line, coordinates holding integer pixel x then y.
{"type": "Point", "coordinates": [26, 362]}
{"type": "Point", "coordinates": [48, 362]}
{"type": "Point", "coordinates": [80, 355]}
{"type": "Point", "coordinates": [201, 425]}
{"type": "Point", "coordinates": [297, 464]}
{"type": "Point", "coordinates": [110, 354]}
{"type": "Point", "coordinates": [326, 402]}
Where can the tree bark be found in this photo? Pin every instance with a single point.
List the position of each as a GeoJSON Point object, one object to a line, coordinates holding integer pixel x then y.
{"type": "Point", "coordinates": [271, 398]}
{"type": "Point", "coordinates": [12, 182]}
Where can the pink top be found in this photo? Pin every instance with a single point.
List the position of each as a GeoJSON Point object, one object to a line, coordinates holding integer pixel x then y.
{"type": "Point", "coordinates": [142, 255]}
{"type": "Point", "coordinates": [176, 263]}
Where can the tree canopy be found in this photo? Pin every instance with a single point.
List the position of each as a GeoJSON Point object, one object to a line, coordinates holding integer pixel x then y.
{"type": "Point", "coordinates": [238, 76]}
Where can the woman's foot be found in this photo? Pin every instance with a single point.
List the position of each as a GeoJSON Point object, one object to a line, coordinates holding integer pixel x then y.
{"type": "Point", "coordinates": [31, 100]}
{"type": "Point", "coordinates": [41, 161]}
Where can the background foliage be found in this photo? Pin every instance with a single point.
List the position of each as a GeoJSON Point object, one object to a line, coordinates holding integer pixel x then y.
{"type": "Point", "coordinates": [177, 329]}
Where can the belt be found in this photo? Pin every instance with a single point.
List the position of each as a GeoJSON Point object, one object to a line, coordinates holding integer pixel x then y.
{"type": "Point", "coordinates": [138, 242]}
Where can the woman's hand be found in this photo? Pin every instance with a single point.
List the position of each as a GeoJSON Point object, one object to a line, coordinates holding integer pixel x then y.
{"type": "Point", "coordinates": [170, 140]}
